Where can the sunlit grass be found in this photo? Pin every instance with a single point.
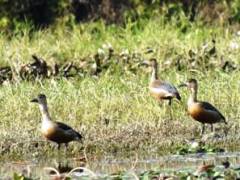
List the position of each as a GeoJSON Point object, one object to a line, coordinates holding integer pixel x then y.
{"type": "Point", "coordinates": [136, 121]}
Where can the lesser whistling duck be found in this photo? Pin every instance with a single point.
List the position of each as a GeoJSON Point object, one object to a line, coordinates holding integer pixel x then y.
{"type": "Point", "coordinates": [160, 89]}
{"type": "Point", "coordinates": [55, 131]}
{"type": "Point", "coordinates": [201, 111]}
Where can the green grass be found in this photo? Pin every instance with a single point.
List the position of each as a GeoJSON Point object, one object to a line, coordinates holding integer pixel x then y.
{"type": "Point", "coordinates": [136, 121]}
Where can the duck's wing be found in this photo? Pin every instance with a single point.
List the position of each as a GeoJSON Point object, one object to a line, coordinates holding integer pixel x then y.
{"type": "Point", "coordinates": [63, 126]}
{"type": "Point", "coordinates": [69, 130]}
{"type": "Point", "coordinates": [209, 107]}
{"type": "Point", "coordinates": [160, 86]}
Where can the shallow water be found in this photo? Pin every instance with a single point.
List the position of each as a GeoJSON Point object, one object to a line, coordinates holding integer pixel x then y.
{"type": "Point", "coordinates": [111, 164]}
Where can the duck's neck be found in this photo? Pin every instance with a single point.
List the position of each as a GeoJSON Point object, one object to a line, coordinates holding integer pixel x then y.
{"type": "Point", "coordinates": [193, 97]}
{"type": "Point", "coordinates": [44, 112]}
{"type": "Point", "coordinates": [154, 75]}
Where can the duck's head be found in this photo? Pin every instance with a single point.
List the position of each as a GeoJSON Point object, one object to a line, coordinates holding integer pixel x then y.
{"type": "Point", "coordinates": [191, 84]}
{"type": "Point", "coordinates": [41, 99]}
{"type": "Point", "coordinates": [151, 62]}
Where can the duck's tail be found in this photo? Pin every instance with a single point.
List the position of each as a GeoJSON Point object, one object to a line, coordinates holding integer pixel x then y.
{"type": "Point", "coordinates": [224, 121]}
{"type": "Point", "coordinates": [178, 96]}
{"type": "Point", "coordinates": [78, 137]}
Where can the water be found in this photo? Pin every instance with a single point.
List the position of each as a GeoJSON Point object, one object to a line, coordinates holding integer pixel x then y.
{"type": "Point", "coordinates": [111, 164]}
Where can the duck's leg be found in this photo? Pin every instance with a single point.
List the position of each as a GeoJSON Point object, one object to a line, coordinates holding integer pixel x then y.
{"type": "Point", "coordinates": [66, 146]}
{"type": "Point", "coordinates": [170, 102]}
{"type": "Point", "coordinates": [58, 146]}
{"type": "Point", "coordinates": [203, 128]}
{"type": "Point", "coordinates": [170, 108]}
{"type": "Point", "coordinates": [212, 128]}
{"type": "Point", "coordinates": [58, 152]}
{"type": "Point", "coordinates": [160, 102]}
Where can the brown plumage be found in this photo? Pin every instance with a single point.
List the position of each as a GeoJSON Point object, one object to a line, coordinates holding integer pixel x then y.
{"type": "Point", "coordinates": [55, 131]}
{"type": "Point", "coordinates": [160, 89]}
{"type": "Point", "coordinates": [201, 111]}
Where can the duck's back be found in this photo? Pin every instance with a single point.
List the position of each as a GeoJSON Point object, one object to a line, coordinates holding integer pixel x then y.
{"type": "Point", "coordinates": [58, 132]}
{"type": "Point", "coordinates": [204, 112]}
{"type": "Point", "coordinates": [163, 90]}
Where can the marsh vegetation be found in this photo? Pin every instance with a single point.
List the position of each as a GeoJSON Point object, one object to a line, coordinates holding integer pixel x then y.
{"type": "Point", "coordinates": [93, 76]}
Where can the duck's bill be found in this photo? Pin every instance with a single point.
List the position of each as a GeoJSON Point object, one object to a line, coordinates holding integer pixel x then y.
{"type": "Point", "coordinates": [34, 101]}
{"type": "Point", "coordinates": [183, 85]}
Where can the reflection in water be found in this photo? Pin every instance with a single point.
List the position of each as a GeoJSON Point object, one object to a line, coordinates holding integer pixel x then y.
{"type": "Point", "coordinates": [63, 167]}
{"type": "Point", "coordinates": [59, 168]}
{"type": "Point", "coordinates": [111, 164]}
{"type": "Point", "coordinates": [172, 162]}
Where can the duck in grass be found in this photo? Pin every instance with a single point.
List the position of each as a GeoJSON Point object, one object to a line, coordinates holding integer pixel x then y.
{"type": "Point", "coordinates": [201, 111]}
{"type": "Point", "coordinates": [158, 88]}
{"type": "Point", "coordinates": [57, 132]}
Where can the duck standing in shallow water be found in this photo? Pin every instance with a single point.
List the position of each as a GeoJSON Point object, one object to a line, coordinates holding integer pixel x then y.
{"type": "Point", "coordinates": [57, 132]}
{"type": "Point", "coordinates": [201, 111]}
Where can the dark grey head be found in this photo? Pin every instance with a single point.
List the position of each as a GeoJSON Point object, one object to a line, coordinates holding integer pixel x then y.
{"type": "Point", "coordinates": [41, 99]}
{"type": "Point", "coordinates": [151, 62]}
{"type": "Point", "coordinates": [191, 84]}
